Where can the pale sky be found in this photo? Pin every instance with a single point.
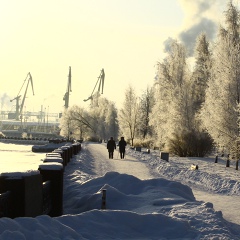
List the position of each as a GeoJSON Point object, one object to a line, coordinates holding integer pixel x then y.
{"type": "Point", "coordinates": [125, 37]}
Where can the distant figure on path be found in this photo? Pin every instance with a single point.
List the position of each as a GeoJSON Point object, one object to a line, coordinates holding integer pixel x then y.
{"type": "Point", "coordinates": [122, 145]}
{"type": "Point", "coordinates": [111, 145]}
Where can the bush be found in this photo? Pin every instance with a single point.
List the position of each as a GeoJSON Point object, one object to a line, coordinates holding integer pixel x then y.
{"type": "Point", "coordinates": [191, 144]}
{"type": "Point", "coordinates": [92, 139]}
{"type": "Point", "coordinates": [145, 143]}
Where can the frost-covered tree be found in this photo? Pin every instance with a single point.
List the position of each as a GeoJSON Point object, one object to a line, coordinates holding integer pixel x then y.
{"type": "Point", "coordinates": [98, 113]}
{"type": "Point", "coordinates": [96, 123]}
{"type": "Point", "coordinates": [76, 122]}
{"type": "Point", "coordinates": [201, 72]}
{"type": "Point", "coordinates": [111, 120]}
{"type": "Point", "coordinates": [219, 112]}
{"type": "Point", "coordinates": [145, 108]}
{"type": "Point", "coordinates": [66, 125]}
{"type": "Point", "coordinates": [172, 110]}
{"type": "Point", "coordinates": [128, 115]}
{"type": "Point", "coordinates": [106, 113]}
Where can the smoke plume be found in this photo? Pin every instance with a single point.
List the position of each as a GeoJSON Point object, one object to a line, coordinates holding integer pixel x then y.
{"type": "Point", "coordinates": [200, 16]}
{"type": "Point", "coordinates": [189, 36]}
{"type": "Point", "coordinates": [5, 100]}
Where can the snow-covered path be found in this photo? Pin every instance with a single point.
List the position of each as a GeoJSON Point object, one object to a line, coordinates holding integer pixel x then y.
{"type": "Point", "coordinates": [162, 207]}
{"type": "Point", "coordinates": [229, 205]}
{"type": "Point", "coordinates": [129, 165]}
{"type": "Point", "coordinates": [142, 170]}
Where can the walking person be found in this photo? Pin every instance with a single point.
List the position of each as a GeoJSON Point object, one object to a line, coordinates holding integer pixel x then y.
{"type": "Point", "coordinates": [111, 145]}
{"type": "Point", "coordinates": [122, 145]}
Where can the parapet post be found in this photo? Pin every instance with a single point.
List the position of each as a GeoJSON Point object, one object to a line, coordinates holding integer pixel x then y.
{"type": "Point", "coordinates": [52, 159]}
{"type": "Point", "coordinates": [67, 152]}
{"type": "Point", "coordinates": [25, 193]}
{"type": "Point", "coordinates": [70, 148]}
{"type": "Point", "coordinates": [63, 154]}
{"type": "Point", "coordinates": [75, 148]}
{"type": "Point", "coordinates": [53, 172]}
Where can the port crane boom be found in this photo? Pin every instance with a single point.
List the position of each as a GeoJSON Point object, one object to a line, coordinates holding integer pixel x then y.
{"type": "Point", "coordinates": [96, 95]}
{"type": "Point", "coordinates": [19, 107]}
{"type": "Point", "coordinates": [69, 89]}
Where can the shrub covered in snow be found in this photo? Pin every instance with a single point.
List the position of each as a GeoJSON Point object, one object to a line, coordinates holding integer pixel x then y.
{"type": "Point", "coordinates": [191, 144]}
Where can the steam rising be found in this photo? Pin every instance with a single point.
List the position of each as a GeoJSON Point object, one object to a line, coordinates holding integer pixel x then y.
{"type": "Point", "coordinates": [189, 36]}
{"type": "Point", "coordinates": [5, 100]}
{"type": "Point", "coordinates": [200, 16]}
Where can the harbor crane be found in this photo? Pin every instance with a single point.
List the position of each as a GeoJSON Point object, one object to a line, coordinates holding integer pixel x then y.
{"type": "Point", "coordinates": [94, 96]}
{"type": "Point", "coordinates": [69, 89]}
{"type": "Point", "coordinates": [19, 107]}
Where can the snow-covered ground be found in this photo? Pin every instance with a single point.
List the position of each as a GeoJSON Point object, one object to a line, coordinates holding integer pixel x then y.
{"type": "Point", "coordinates": [146, 198]}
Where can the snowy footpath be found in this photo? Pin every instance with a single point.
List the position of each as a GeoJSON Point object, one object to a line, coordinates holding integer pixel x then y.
{"type": "Point", "coordinates": [146, 198]}
{"type": "Point", "coordinates": [215, 188]}
{"type": "Point", "coordinates": [212, 183]}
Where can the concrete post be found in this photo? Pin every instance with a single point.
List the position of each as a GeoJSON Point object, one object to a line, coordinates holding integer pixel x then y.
{"type": "Point", "coordinates": [63, 155]}
{"type": "Point", "coordinates": [25, 193]}
{"type": "Point", "coordinates": [54, 173]}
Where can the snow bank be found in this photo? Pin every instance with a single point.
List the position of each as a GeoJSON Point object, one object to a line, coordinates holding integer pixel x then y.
{"type": "Point", "coordinates": [210, 176]}
{"type": "Point", "coordinates": [136, 209]}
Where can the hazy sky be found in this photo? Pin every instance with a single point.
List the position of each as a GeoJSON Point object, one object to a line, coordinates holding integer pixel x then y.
{"type": "Point", "coordinates": [125, 37]}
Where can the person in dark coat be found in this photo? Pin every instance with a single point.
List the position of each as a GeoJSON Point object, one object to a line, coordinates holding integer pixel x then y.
{"type": "Point", "coordinates": [122, 145]}
{"type": "Point", "coordinates": [111, 145]}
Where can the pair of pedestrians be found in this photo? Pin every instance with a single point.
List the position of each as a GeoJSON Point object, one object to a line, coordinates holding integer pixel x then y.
{"type": "Point", "coordinates": [111, 145]}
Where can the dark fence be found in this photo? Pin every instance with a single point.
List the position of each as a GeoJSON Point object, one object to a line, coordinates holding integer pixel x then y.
{"type": "Point", "coordinates": [38, 194]}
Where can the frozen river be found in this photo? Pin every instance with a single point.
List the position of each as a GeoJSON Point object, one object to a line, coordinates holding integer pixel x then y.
{"type": "Point", "coordinates": [18, 158]}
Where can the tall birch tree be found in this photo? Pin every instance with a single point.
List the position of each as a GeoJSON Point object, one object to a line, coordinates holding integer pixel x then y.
{"type": "Point", "coordinates": [220, 111]}
{"type": "Point", "coordinates": [201, 72]}
{"type": "Point", "coordinates": [172, 110]}
{"type": "Point", "coordinates": [128, 115]}
{"type": "Point", "coordinates": [146, 104]}
{"type": "Point", "coordinates": [98, 122]}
